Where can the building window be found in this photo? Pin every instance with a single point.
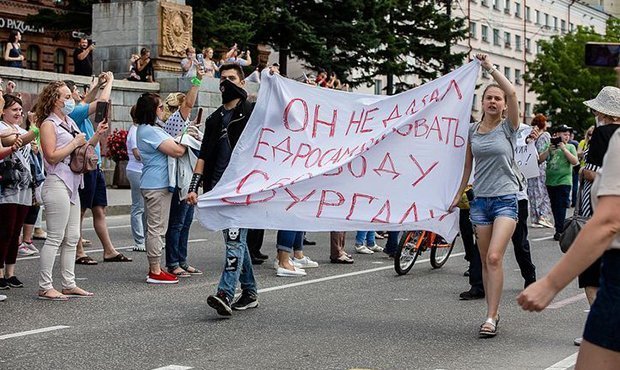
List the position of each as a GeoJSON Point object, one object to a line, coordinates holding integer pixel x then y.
{"type": "Point", "coordinates": [528, 109]}
{"type": "Point", "coordinates": [496, 4]}
{"type": "Point", "coordinates": [572, 27]}
{"type": "Point", "coordinates": [517, 10]}
{"type": "Point", "coordinates": [378, 87]}
{"type": "Point", "coordinates": [546, 20]}
{"type": "Point", "coordinates": [485, 33]}
{"type": "Point", "coordinates": [555, 23]}
{"type": "Point", "coordinates": [485, 3]}
{"type": "Point", "coordinates": [517, 42]}
{"type": "Point", "coordinates": [518, 77]}
{"type": "Point", "coordinates": [496, 36]}
{"type": "Point", "coordinates": [537, 12]}
{"type": "Point", "coordinates": [528, 46]}
{"type": "Point", "coordinates": [507, 7]}
{"type": "Point", "coordinates": [538, 48]}
{"type": "Point", "coordinates": [32, 57]}
{"type": "Point", "coordinates": [507, 72]}
{"type": "Point", "coordinates": [563, 26]}
{"type": "Point", "coordinates": [472, 30]}
{"type": "Point", "coordinates": [507, 39]}
{"type": "Point", "coordinates": [527, 14]}
{"type": "Point", "coordinates": [60, 58]}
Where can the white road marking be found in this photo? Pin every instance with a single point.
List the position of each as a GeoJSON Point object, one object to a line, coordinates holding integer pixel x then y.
{"type": "Point", "coordinates": [567, 301]}
{"type": "Point", "coordinates": [334, 277]}
{"type": "Point", "coordinates": [35, 331]}
{"type": "Point", "coordinates": [174, 367]}
{"type": "Point", "coordinates": [544, 238]}
{"type": "Point", "coordinates": [565, 363]}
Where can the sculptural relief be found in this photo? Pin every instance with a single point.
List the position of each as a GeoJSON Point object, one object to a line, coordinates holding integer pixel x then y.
{"type": "Point", "coordinates": [176, 30]}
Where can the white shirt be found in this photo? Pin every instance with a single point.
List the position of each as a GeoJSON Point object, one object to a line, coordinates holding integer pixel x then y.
{"type": "Point", "coordinates": [134, 164]}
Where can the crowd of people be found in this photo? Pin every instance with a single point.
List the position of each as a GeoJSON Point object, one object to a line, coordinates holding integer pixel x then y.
{"type": "Point", "coordinates": [171, 159]}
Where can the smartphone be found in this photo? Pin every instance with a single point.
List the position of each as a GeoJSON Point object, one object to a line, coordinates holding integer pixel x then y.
{"type": "Point", "coordinates": [200, 58]}
{"type": "Point", "coordinates": [101, 112]}
{"type": "Point", "coordinates": [199, 117]}
{"type": "Point", "coordinates": [602, 54]}
{"type": "Point", "coordinates": [556, 140]}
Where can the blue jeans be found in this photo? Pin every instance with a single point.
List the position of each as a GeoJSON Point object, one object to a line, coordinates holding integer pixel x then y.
{"type": "Point", "coordinates": [391, 247]}
{"type": "Point", "coordinates": [484, 210]}
{"type": "Point", "coordinates": [365, 236]}
{"type": "Point", "coordinates": [137, 208]}
{"type": "Point", "coordinates": [560, 200]}
{"type": "Point", "coordinates": [179, 222]}
{"type": "Point", "coordinates": [289, 241]}
{"type": "Point", "coordinates": [238, 264]}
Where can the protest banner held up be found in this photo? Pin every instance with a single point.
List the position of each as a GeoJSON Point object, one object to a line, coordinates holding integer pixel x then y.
{"type": "Point", "coordinates": [315, 159]}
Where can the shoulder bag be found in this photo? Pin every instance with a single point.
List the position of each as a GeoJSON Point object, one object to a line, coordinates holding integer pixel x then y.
{"type": "Point", "coordinates": [572, 226]}
{"type": "Point", "coordinates": [83, 158]}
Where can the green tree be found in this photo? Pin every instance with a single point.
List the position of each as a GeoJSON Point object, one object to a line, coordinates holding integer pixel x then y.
{"type": "Point", "coordinates": [562, 80]}
{"type": "Point", "coordinates": [415, 39]}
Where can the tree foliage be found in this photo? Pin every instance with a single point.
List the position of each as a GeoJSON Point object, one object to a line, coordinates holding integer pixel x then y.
{"type": "Point", "coordinates": [562, 80]}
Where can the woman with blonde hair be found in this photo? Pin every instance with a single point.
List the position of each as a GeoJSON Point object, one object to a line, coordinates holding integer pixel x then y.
{"type": "Point", "coordinates": [209, 65]}
{"type": "Point", "coordinates": [60, 136]}
{"type": "Point", "coordinates": [497, 181]}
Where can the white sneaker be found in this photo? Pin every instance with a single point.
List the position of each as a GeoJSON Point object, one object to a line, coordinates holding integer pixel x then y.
{"type": "Point", "coordinates": [23, 250]}
{"type": "Point", "coordinates": [375, 248]}
{"type": "Point", "coordinates": [276, 264]}
{"type": "Point", "coordinates": [304, 262]}
{"type": "Point", "coordinates": [2, 297]}
{"type": "Point", "coordinates": [31, 247]}
{"type": "Point", "coordinates": [362, 249]}
{"type": "Point", "coordinates": [290, 273]}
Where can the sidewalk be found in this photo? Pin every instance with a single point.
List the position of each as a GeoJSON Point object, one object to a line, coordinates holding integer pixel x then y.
{"type": "Point", "coordinates": [119, 202]}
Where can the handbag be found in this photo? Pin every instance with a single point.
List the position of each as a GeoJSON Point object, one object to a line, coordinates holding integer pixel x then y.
{"type": "Point", "coordinates": [572, 226]}
{"type": "Point", "coordinates": [83, 158]}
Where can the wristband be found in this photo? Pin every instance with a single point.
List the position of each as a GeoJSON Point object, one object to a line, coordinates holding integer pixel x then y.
{"type": "Point", "coordinates": [195, 183]}
{"type": "Point", "coordinates": [195, 81]}
{"type": "Point", "coordinates": [491, 70]}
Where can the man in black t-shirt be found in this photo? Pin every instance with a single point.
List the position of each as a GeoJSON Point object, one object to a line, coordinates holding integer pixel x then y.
{"type": "Point", "coordinates": [83, 58]}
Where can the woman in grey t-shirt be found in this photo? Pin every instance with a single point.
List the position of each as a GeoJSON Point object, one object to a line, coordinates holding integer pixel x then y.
{"type": "Point", "coordinates": [494, 209]}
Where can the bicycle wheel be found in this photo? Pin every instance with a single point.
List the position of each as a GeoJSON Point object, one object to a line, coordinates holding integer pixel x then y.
{"type": "Point", "coordinates": [408, 251]}
{"type": "Point", "coordinates": [440, 251]}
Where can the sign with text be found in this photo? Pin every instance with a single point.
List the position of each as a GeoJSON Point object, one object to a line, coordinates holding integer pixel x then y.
{"type": "Point", "coordinates": [313, 159]}
{"type": "Point", "coordinates": [526, 154]}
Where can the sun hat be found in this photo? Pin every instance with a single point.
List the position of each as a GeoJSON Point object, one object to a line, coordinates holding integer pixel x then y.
{"type": "Point", "coordinates": [607, 101]}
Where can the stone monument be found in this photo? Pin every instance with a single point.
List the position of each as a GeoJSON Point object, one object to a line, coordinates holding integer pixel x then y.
{"type": "Point", "coordinates": [122, 28]}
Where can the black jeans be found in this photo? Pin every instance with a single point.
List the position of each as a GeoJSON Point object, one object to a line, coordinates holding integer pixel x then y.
{"type": "Point", "coordinates": [255, 241]}
{"type": "Point", "coordinates": [560, 200]}
{"type": "Point", "coordinates": [472, 254]}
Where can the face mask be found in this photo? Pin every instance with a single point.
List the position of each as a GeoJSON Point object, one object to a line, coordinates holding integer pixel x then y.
{"type": "Point", "coordinates": [230, 92]}
{"type": "Point", "coordinates": [68, 107]}
{"type": "Point", "coordinates": [599, 122]}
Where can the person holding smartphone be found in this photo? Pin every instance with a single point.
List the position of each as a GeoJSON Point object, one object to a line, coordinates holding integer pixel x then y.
{"type": "Point", "coordinates": [83, 58]}
{"type": "Point", "coordinates": [561, 157]}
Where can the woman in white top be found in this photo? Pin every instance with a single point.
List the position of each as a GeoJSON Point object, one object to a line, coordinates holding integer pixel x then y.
{"type": "Point", "coordinates": [134, 172]}
{"type": "Point", "coordinates": [600, 348]}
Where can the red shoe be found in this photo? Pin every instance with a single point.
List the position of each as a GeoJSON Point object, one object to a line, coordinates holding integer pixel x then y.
{"type": "Point", "coordinates": [161, 278]}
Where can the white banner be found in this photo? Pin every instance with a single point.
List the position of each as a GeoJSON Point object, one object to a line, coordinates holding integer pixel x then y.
{"type": "Point", "coordinates": [313, 159]}
{"type": "Point", "coordinates": [526, 154]}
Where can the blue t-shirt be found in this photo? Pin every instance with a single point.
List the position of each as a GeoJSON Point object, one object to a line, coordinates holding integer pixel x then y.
{"type": "Point", "coordinates": [155, 169]}
{"type": "Point", "coordinates": [80, 116]}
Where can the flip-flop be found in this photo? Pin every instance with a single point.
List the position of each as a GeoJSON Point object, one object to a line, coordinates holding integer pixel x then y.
{"type": "Point", "coordinates": [118, 258]}
{"type": "Point", "coordinates": [45, 297]}
{"type": "Point", "coordinates": [85, 260]}
{"type": "Point", "coordinates": [194, 271]}
{"type": "Point", "coordinates": [78, 295]}
{"type": "Point", "coordinates": [180, 274]}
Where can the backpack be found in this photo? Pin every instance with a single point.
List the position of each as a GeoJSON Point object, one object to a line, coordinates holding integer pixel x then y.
{"type": "Point", "coordinates": [84, 158]}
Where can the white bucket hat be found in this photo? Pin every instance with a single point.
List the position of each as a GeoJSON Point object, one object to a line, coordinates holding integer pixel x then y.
{"type": "Point", "coordinates": [607, 101]}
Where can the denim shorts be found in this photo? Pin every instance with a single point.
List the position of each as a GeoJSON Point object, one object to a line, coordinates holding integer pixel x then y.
{"type": "Point", "coordinates": [484, 210]}
{"type": "Point", "coordinates": [603, 324]}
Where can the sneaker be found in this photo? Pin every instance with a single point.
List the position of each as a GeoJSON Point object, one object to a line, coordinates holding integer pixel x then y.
{"type": "Point", "coordinates": [139, 248]}
{"type": "Point", "coordinates": [162, 278]}
{"type": "Point", "coordinates": [375, 248]}
{"type": "Point", "coordinates": [362, 249]}
{"type": "Point", "coordinates": [577, 341]}
{"type": "Point", "coordinates": [546, 223]}
{"type": "Point", "coordinates": [31, 247]}
{"type": "Point", "coordinates": [4, 284]}
{"type": "Point", "coordinates": [471, 295]}
{"type": "Point", "coordinates": [14, 282]}
{"type": "Point", "coordinates": [244, 302]}
{"type": "Point", "coordinates": [2, 297]}
{"type": "Point", "coordinates": [537, 225]}
{"type": "Point", "coordinates": [304, 262]}
{"type": "Point", "coordinates": [220, 303]}
{"type": "Point", "coordinates": [276, 264]}
{"type": "Point", "coordinates": [282, 272]}
{"type": "Point", "coordinates": [24, 251]}
{"type": "Point", "coordinates": [557, 236]}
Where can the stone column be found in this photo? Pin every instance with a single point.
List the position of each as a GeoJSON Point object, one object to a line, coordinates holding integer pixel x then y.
{"type": "Point", "coordinates": [122, 28]}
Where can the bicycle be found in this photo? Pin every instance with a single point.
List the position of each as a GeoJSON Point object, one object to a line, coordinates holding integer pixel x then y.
{"type": "Point", "coordinates": [413, 243]}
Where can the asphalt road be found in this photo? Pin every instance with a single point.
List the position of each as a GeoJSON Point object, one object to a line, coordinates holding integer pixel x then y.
{"type": "Point", "coordinates": [338, 317]}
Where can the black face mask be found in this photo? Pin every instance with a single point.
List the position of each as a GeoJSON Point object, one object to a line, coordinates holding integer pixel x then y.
{"type": "Point", "coordinates": [230, 92]}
